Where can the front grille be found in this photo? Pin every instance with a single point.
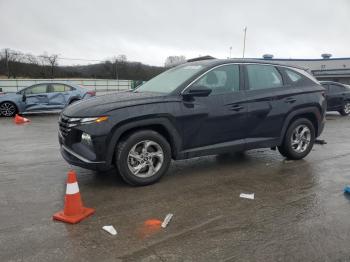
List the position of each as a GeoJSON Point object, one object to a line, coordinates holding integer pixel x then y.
{"type": "Point", "coordinates": [64, 125]}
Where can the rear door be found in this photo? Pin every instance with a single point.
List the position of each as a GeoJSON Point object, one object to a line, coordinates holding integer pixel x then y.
{"type": "Point", "coordinates": [58, 95]}
{"type": "Point", "coordinates": [270, 98]}
{"type": "Point", "coordinates": [36, 97]}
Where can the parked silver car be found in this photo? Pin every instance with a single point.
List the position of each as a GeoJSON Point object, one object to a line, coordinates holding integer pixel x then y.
{"type": "Point", "coordinates": [42, 97]}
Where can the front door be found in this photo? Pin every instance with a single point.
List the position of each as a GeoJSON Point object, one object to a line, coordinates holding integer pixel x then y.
{"type": "Point", "coordinates": [220, 117]}
{"type": "Point", "coordinates": [36, 98]}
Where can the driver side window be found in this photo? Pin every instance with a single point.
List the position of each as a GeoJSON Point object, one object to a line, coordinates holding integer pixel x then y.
{"type": "Point", "coordinates": [38, 89]}
{"type": "Point", "coordinates": [221, 80]}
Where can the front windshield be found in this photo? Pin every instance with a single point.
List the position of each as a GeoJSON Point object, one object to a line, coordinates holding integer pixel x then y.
{"type": "Point", "coordinates": [169, 80]}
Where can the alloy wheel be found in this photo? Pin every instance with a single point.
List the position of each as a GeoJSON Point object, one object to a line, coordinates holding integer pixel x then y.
{"type": "Point", "coordinates": [301, 138]}
{"type": "Point", "coordinates": [145, 158]}
{"type": "Point", "coordinates": [347, 108]}
{"type": "Point", "coordinates": [7, 109]}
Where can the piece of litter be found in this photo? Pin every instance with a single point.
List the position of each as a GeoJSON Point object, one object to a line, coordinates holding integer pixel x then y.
{"type": "Point", "coordinates": [167, 220]}
{"type": "Point", "coordinates": [286, 161]}
{"type": "Point", "coordinates": [110, 229]}
{"type": "Point", "coordinates": [248, 196]}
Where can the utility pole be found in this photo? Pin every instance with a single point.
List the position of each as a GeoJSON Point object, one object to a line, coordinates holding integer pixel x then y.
{"type": "Point", "coordinates": [244, 38]}
{"type": "Point", "coordinates": [116, 68]}
{"type": "Point", "coordinates": [230, 51]}
{"type": "Point", "coordinates": [7, 62]}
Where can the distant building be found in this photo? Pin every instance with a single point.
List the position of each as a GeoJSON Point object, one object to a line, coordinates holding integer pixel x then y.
{"type": "Point", "coordinates": [325, 68]}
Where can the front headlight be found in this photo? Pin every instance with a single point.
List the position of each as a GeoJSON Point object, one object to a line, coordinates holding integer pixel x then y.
{"type": "Point", "coordinates": [86, 120]}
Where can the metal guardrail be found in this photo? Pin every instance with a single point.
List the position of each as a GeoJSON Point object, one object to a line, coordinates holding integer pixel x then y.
{"type": "Point", "coordinates": [99, 85]}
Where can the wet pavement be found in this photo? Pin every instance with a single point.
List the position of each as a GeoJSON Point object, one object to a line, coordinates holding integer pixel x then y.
{"type": "Point", "coordinates": [299, 212]}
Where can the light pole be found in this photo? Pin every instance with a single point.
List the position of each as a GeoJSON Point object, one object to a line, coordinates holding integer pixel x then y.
{"type": "Point", "coordinates": [230, 51]}
{"type": "Point", "coordinates": [244, 38]}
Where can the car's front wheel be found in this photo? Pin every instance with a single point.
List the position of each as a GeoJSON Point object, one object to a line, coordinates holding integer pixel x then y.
{"type": "Point", "coordinates": [346, 109]}
{"type": "Point", "coordinates": [8, 109]}
{"type": "Point", "coordinates": [299, 139]}
{"type": "Point", "coordinates": [143, 157]}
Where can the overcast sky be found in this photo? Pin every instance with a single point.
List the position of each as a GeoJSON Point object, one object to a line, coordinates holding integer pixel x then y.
{"type": "Point", "coordinates": [150, 30]}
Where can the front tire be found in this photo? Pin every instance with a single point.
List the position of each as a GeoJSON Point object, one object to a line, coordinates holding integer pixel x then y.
{"type": "Point", "coordinates": [8, 109]}
{"type": "Point", "coordinates": [346, 109]}
{"type": "Point", "coordinates": [143, 157]}
{"type": "Point", "coordinates": [299, 139]}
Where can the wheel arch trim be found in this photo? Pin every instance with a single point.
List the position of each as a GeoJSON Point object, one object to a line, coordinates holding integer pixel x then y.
{"type": "Point", "coordinates": [122, 128]}
{"type": "Point", "coordinates": [299, 112]}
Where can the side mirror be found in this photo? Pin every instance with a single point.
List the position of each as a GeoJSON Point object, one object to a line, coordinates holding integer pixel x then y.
{"type": "Point", "coordinates": [200, 92]}
{"type": "Point", "coordinates": [24, 98]}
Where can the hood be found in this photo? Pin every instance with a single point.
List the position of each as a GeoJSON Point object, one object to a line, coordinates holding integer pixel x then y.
{"type": "Point", "coordinates": [8, 95]}
{"type": "Point", "coordinates": [101, 105]}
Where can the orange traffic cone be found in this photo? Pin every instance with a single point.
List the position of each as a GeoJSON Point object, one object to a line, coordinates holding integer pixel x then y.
{"type": "Point", "coordinates": [20, 120]}
{"type": "Point", "coordinates": [74, 211]}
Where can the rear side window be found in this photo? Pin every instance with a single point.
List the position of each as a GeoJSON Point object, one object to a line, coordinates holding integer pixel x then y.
{"type": "Point", "coordinates": [263, 77]}
{"type": "Point", "coordinates": [336, 88]}
{"type": "Point", "coordinates": [68, 88]}
{"type": "Point", "coordinates": [56, 88]}
{"type": "Point", "coordinates": [293, 76]}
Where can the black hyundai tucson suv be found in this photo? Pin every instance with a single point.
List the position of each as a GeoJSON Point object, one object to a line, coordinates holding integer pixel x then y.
{"type": "Point", "coordinates": [198, 108]}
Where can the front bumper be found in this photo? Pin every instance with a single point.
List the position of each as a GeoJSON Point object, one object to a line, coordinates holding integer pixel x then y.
{"type": "Point", "coordinates": [76, 159]}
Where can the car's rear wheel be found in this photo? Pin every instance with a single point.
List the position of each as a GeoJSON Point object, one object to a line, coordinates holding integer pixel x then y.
{"type": "Point", "coordinates": [299, 139]}
{"type": "Point", "coordinates": [8, 109]}
{"type": "Point", "coordinates": [143, 157]}
{"type": "Point", "coordinates": [346, 109]}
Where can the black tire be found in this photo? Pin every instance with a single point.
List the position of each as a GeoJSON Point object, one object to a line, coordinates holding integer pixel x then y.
{"type": "Point", "coordinates": [288, 150]}
{"type": "Point", "coordinates": [282, 151]}
{"type": "Point", "coordinates": [139, 139]}
{"type": "Point", "coordinates": [8, 113]}
{"type": "Point", "coordinates": [73, 101]}
{"type": "Point", "coordinates": [345, 111]}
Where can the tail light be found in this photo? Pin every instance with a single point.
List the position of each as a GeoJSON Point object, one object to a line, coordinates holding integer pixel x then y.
{"type": "Point", "coordinates": [91, 93]}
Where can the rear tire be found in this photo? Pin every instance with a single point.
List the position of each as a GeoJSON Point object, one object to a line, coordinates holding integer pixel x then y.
{"type": "Point", "coordinates": [73, 101]}
{"type": "Point", "coordinates": [299, 139]}
{"type": "Point", "coordinates": [143, 157]}
{"type": "Point", "coordinates": [346, 109]}
{"type": "Point", "coordinates": [8, 109]}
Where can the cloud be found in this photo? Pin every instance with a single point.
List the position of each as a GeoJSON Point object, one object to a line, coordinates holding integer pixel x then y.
{"type": "Point", "coordinates": [149, 31]}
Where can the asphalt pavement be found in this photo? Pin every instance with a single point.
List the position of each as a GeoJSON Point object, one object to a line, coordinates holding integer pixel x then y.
{"type": "Point", "coordinates": [299, 213]}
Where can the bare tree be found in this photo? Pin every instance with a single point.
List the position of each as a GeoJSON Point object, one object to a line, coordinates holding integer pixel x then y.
{"type": "Point", "coordinates": [12, 59]}
{"type": "Point", "coordinates": [121, 58]}
{"type": "Point", "coordinates": [52, 61]}
{"type": "Point", "coordinates": [31, 59]}
{"type": "Point", "coordinates": [174, 61]}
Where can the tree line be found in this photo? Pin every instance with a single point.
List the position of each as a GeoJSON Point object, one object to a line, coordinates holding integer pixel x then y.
{"type": "Point", "coordinates": [15, 64]}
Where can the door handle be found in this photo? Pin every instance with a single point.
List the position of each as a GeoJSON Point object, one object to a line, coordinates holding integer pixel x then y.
{"type": "Point", "coordinates": [236, 108]}
{"type": "Point", "coordinates": [290, 100]}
